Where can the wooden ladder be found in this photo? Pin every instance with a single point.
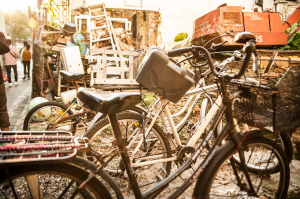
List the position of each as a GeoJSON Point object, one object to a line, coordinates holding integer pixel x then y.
{"type": "Point", "coordinates": [94, 21]}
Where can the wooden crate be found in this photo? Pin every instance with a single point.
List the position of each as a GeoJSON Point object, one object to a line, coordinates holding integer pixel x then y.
{"type": "Point", "coordinates": [112, 62]}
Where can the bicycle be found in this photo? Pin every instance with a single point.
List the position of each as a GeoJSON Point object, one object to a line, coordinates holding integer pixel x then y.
{"type": "Point", "coordinates": [156, 152]}
{"type": "Point", "coordinates": [44, 164]}
{"type": "Point", "coordinates": [227, 150]}
{"type": "Point", "coordinates": [237, 143]}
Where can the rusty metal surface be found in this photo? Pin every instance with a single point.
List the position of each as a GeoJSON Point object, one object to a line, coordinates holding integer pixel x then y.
{"type": "Point", "coordinates": [271, 62]}
{"type": "Point", "coordinates": [256, 22]}
{"type": "Point", "coordinates": [222, 21]}
{"type": "Point", "coordinates": [267, 27]}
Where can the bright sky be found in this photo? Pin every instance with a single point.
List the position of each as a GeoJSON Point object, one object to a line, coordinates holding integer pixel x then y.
{"type": "Point", "coordinates": [12, 5]}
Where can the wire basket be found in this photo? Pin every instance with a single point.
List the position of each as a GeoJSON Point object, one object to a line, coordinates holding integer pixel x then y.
{"type": "Point", "coordinates": [265, 106]}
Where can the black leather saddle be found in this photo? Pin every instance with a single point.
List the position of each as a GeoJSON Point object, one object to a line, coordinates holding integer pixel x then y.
{"type": "Point", "coordinates": [71, 75]}
{"type": "Point", "coordinates": [111, 103]}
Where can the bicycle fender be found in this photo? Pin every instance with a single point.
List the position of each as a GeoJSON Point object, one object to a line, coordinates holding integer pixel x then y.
{"type": "Point", "coordinates": [97, 117]}
{"type": "Point", "coordinates": [252, 133]}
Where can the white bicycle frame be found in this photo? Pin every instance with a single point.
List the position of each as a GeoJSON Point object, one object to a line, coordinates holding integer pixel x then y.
{"type": "Point", "coordinates": [199, 131]}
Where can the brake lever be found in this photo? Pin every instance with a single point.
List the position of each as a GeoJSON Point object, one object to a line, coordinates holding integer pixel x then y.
{"type": "Point", "coordinates": [190, 57]}
{"type": "Point", "coordinates": [215, 46]}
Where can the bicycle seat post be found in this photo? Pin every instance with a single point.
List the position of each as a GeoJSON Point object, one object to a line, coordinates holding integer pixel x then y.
{"type": "Point", "coordinates": [125, 157]}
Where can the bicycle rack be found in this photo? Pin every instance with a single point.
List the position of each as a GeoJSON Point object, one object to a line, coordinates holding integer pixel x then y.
{"type": "Point", "coordinates": [35, 147]}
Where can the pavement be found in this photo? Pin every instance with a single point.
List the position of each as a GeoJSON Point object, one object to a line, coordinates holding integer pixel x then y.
{"type": "Point", "coordinates": [18, 98]}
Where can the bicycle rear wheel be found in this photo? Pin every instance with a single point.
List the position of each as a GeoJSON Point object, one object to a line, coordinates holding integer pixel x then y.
{"type": "Point", "coordinates": [157, 147]}
{"type": "Point", "coordinates": [218, 179]}
{"type": "Point", "coordinates": [49, 181]}
{"type": "Point", "coordinates": [42, 116]}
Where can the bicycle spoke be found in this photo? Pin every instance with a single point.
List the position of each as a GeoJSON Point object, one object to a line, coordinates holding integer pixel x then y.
{"type": "Point", "coordinates": [66, 189]}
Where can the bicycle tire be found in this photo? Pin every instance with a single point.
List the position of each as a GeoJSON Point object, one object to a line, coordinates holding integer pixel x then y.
{"type": "Point", "coordinates": [44, 112]}
{"type": "Point", "coordinates": [100, 140]}
{"type": "Point", "coordinates": [226, 179]}
{"type": "Point", "coordinates": [283, 139]}
{"type": "Point", "coordinates": [62, 174]}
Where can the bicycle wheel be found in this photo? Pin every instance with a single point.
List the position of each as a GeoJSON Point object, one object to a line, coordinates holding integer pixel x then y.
{"type": "Point", "coordinates": [42, 116]}
{"type": "Point", "coordinates": [49, 181]}
{"type": "Point", "coordinates": [101, 139]}
{"type": "Point", "coordinates": [283, 139]}
{"type": "Point", "coordinates": [218, 179]}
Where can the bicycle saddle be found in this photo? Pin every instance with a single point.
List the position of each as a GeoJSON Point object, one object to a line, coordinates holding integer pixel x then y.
{"type": "Point", "coordinates": [243, 37]}
{"type": "Point", "coordinates": [110, 104]}
{"type": "Point", "coordinates": [71, 75]}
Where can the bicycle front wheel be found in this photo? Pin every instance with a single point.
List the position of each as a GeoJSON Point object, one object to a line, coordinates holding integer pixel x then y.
{"type": "Point", "coordinates": [43, 116]}
{"type": "Point", "coordinates": [218, 179]}
{"type": "Point", "coordinates": [49, 181]}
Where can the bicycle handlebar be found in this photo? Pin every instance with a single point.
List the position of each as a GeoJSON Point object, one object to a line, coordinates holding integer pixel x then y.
{"type": "Point", "coordinates": [248, 49]}
{"type": "Point", "coordinates": [181, 51]}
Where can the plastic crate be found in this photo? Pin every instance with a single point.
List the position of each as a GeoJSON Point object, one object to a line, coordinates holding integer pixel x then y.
{"type": "Point", "coordinates": [163, 76]}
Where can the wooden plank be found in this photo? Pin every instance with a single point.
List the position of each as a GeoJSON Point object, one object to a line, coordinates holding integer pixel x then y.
{"type": "Point", "coordinates": [114, 34]}
{"type": "Point", "coordinates": [59, 79]}
{"type": "Point", "coordinates": [96, 67]}
{"type": "Point", "coordinates": [51, 78]}
{"type": "Point", "coordinates": [61, 40]}
{"type": "Point", "coordinates": [125, 69]}
{"type": "Point", "coordinates": [130, 64]}
{"type": "Point", "coordinates": [116, 81]}
{"type": "Point", "coordinates": [107, 58]}
{"type": "Point", "coordinates": [101, 51]}
{"type": "Point", "coordinates": [96, 6]}
{"type": "Point", "coordinates": [103, 64]}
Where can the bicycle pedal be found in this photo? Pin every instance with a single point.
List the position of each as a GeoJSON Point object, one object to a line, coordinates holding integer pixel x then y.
{"type": "Point", "coordinates": [161, 174]}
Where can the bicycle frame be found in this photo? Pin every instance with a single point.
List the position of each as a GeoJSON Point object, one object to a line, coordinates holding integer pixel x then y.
{"type": "Point", "coordinates": [204, 123]}
{"type": "Point", "coordinates": [225, 107]}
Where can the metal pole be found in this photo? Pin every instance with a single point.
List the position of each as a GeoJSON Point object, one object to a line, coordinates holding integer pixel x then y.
{"type": "Point", "coordinates": [11, 34]}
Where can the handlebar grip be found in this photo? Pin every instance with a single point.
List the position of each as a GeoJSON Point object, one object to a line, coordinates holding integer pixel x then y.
{"type": "Point", "coordinates": [177, 52]}
{"type": "Point", "coordinates": [255, 62]}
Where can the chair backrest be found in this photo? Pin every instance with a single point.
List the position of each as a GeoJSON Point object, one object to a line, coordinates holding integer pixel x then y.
{"type": "Point", "coordinates": [71, 59]}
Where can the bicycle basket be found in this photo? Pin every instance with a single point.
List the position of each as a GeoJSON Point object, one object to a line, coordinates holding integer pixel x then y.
{"type": "Point", "coordinates": [163, 76]}
{"type": "Point", "coordinates": [277, 107]}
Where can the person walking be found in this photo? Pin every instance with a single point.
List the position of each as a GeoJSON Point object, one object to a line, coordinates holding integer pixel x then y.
{"type": "Point", "coordinates": [4, 118]}
{"type": "Point", "coordinates": [25, 58]}
{"type": "Point", "coordinates": [10, 60]}
{"type": "Point", "coordinates": [23, 48]}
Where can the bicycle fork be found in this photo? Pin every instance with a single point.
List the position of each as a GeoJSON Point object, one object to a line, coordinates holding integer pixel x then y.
{"type": "Point", "coordinates": [240, 146]}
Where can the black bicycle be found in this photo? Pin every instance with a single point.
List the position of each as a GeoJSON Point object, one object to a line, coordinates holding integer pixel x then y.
{"type": "Point", "coordinates": [217, 175]}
